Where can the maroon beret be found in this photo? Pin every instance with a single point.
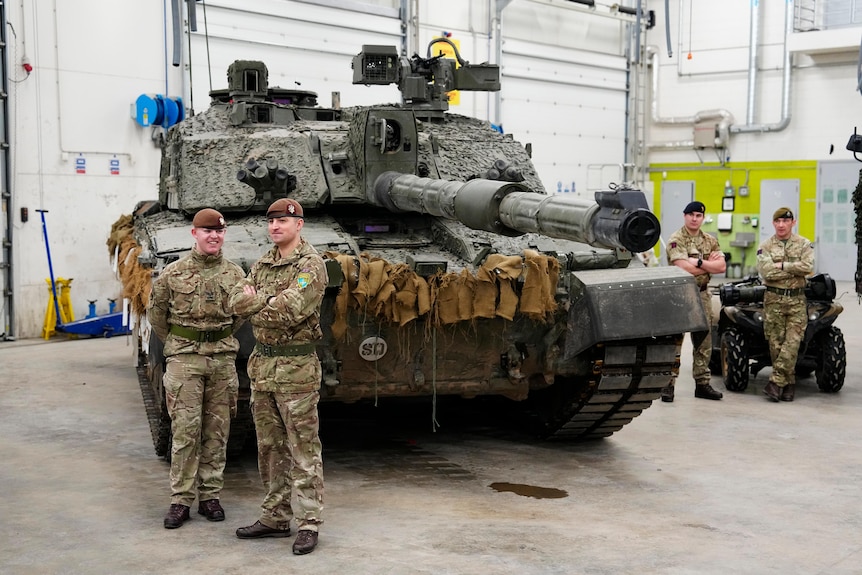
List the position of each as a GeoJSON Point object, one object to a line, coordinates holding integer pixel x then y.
{"type": "Point", "coordinates": [210, 219]}
{"type": "Point", "coordinates": [284, 208]}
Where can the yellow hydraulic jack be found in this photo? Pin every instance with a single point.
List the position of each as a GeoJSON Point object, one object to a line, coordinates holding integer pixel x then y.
{"type": "Point", "coordinates": [63, 307]}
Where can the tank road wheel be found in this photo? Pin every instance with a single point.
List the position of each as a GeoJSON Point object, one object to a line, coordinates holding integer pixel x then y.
{"type": "Point", "coordinates": [832, 363]}
{"type": "Point", "coordinates": [734, 360]}
{"type": "Point", "coordinates": [548, 410]}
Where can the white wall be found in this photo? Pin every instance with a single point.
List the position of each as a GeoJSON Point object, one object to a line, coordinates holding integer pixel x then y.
{"type": "Point", "coordinates": [90, 60]}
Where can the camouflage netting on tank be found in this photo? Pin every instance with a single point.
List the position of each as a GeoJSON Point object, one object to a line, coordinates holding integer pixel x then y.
{"type": "Point", "coordinates": [395, 293]}
{"type": "Point", "coordinates": [136, 279]}
{"type": "Point", "coordinates": [857, 204]}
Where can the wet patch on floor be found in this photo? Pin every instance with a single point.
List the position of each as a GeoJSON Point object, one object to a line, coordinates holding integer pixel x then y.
{"type": "Point", "coordinates": [529, 490]}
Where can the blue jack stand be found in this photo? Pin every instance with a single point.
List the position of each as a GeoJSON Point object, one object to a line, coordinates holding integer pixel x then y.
{"type": "Point", "coordinates": [104, 325]}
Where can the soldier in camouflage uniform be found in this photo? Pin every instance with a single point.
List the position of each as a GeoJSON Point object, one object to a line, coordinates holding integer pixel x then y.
{"type": "Point", "coordinates": [189, 312]}
{"type": "Point", "coordinates": [282, 295]}
{"type": "Point", "coordinates": [784, 261]}
{"type": "Point", "coordinates": [699, 254]}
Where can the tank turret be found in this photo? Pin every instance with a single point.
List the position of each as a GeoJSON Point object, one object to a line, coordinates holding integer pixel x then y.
{"type": "Point", "coordinates": [452, 271]}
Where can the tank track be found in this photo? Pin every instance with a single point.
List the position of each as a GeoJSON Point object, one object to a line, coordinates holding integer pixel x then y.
{"type": "Point", "coordinates": [160, 422]}
{"type": "Point", "coordinates": [626, 378]}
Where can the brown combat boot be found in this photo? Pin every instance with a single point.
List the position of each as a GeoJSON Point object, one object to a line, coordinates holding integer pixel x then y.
{"type": "Point", "coordinates": [211, 509]}
{"type": "Point", "coordinates": [667, 394]}
{"type": "Point", "coordinates": [788, 391]}
{"type": "Point", "coordinates": [706, 391]}
{"type": "Point", "coordinates": [176, 516]}
{"type": "Point", "coordinates": [305, 542]}
{"type": "Point", "coordinates": [772, 391]}
{"type": "Point", "coordinates": [258, 530]}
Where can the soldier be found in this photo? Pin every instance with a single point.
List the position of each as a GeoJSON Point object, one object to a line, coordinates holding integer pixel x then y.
{"type": "Point", "coordinates": [189, 312]}
{"type": "Point", "coordinates": [698, 254]}
{"type": "Point", "coordinates": [784, 261]}
{"type": "Point", "coordinates": [282, 294]}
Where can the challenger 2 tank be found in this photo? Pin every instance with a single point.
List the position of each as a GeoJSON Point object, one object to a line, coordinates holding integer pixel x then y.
{"type": "Point", "coordinates": [451, 270]}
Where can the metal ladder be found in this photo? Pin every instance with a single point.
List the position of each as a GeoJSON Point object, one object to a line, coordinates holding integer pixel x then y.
{"type": "Point", "coordinates": [7, 307]}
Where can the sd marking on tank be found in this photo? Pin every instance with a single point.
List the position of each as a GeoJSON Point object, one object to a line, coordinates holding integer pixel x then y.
{"type": "Point", "coordinates": [372, 348]}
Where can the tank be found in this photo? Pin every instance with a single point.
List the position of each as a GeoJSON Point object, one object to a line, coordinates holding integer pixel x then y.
{"type": "Point", "coordinates": [451, 270]}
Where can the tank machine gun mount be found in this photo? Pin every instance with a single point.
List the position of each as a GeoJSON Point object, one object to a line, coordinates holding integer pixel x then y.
{"type": "Point", "coordinates": [424, 82]}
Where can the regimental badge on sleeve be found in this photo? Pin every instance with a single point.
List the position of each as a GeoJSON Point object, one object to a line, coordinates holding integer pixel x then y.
{"type": "Point", "coordinates": [303, 279]}
{"type": "Point", "coordinates": [673, 244]}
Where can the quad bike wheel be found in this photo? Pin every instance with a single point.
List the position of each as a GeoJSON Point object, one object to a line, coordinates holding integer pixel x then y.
{"type": "Point", "coordinates": [832, 363]}
{"type": "Point", "coordinates": [734, 360]}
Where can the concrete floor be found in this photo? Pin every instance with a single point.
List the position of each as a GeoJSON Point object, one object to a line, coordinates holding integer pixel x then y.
{"type": "Point", "coordinates": [737, 486]}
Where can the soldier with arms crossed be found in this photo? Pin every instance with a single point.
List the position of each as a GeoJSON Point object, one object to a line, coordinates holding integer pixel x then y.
{"type": "Point", "coordinates": [784, 261]}
{"type": "Point", "coordinates": [282, 295]}
{"type": "Point", "coordinates": [699, 254]}
{"type": "Point", "coordinates": [189, 312]}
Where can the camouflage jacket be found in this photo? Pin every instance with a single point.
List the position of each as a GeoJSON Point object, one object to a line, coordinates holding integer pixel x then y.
{"type": "Point", "coordinates": [193, 293]}
{"type": "Point", "coordinates": [291, 317]}
{"type": "Point", "coordinates": [682, 245]}
{"type": "Point", "coordinates": [797, 255]}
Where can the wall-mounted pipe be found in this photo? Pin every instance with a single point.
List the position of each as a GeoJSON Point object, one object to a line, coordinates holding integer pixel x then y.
{"type": "Point", "coordinates": [753, 40]}
{"type": "Point", "coordinates": [723, 117]}
{"type": "Point", "coordinates": [499, 6]}
{"type": "Point", "coordinates": [667, 27]}
{"type": "Point", "coordinates": [750, 126]}
{"type": "Point", "coordinates": [175, 19]}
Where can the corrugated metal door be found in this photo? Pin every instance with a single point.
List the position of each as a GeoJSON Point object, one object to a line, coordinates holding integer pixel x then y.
{"type": "Point", "coordinates": [571, 106]}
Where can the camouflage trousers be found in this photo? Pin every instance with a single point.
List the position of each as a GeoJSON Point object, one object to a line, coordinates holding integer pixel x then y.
{"type": "Point", "coordinates": [201, 394]}
{"type": "Point", "coordinates": [701, 343]}
{"type": "Point", "coordinates": [289, 457]}
{"type": "Point", "coordinates": [784, 323]}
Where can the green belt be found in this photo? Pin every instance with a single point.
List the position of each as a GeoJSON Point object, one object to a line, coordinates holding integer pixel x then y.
{"type": "Point", "coordinates": [787, 292]}
{"type": "Point", "coordinates": [274, 350]}
{"type": "Point", "coordinates": [201, 336]}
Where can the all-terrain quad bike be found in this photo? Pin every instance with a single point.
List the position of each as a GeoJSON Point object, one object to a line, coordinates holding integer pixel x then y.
{"type": "Point", "coordinates": [740, 348]}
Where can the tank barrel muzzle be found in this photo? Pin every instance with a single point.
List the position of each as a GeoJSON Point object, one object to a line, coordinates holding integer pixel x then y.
{"type": "Point", "coordinates": [636, 230]}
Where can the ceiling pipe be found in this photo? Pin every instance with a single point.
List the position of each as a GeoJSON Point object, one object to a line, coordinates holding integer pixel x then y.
{"type": "Point", "coordinates": [750, 126]}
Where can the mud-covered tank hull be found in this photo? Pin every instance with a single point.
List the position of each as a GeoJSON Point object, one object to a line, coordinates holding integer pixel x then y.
{"type": "Point", "coordinates": [451, 271]}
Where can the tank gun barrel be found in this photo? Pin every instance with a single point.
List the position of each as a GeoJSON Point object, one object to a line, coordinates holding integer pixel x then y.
{"type": "Point", "coordinates": [616, 219]}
